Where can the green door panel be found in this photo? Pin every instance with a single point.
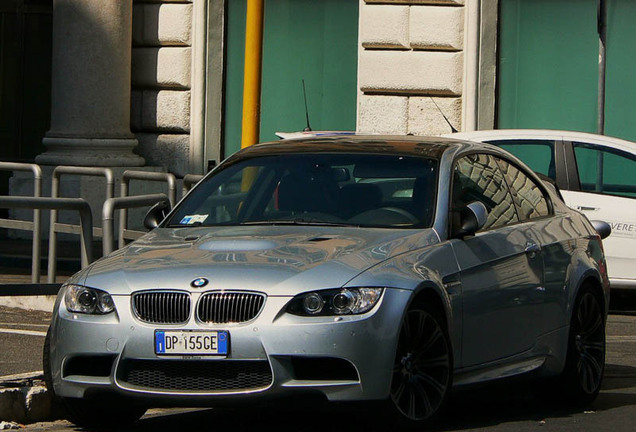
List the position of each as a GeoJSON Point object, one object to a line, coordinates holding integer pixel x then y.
{"type": "Point", "coordinates": [620, 110]}
{"type": "Point", "coordinates": [315, 41]}
{"type": "Point", "coordinates": [548, 64]}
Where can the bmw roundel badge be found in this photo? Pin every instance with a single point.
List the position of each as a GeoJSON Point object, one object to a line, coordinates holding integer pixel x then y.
{"type": "Point", "coordinates": [199, 283]}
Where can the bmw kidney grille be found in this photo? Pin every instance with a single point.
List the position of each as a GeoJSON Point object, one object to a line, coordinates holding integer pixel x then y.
{"type": "Point", "coordinates": [162, 307]}
{"type": "Point", "coordinates": [229, 307]}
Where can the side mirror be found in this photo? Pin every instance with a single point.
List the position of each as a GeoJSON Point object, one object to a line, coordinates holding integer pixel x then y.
{"type": "Point", "coordinates": [156, 214]}
{"type": "Point", "coordinates": [602, 228]}
{"type": "Point", "coordinates": [472, 218]}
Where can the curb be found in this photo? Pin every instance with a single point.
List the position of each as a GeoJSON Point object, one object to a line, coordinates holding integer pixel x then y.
{"type": "Point", "coordinates": [24, 399]}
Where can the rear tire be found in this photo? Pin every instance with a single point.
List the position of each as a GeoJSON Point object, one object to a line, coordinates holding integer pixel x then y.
{"type": "Point", "coordinates": [422, 372]}
{"type": "Point", "coordinates": [585, 362]}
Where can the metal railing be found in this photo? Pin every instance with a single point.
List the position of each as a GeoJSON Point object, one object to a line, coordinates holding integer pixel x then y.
{"type": "Point", "coordinates": [76, 204]}
{"type": "Point", "coordinates": [35, 226]}
{"type": "Point", "coordinates": [123, 203]}
{"type": "Point", "coordinates": [189, 180]}
{"type": "Point", "coordinates": [85, 229]}
{"type": "Point", "coordinates": [127, 176]}
{"type": "Point", "coordinates": [56, 227]}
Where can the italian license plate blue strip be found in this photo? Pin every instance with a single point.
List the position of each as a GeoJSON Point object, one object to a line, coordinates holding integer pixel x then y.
{"type": "Point", "coordinates": [160, 342]}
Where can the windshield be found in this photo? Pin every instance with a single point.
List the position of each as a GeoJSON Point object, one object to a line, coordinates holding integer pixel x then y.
{"type": "Point", "coordinates": [315, 189]}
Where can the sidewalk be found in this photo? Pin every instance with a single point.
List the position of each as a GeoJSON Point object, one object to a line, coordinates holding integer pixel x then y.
{"type": "Point", "coordinates": [16, 290]}
{"type": "Point", "coordinates": [23, 395]}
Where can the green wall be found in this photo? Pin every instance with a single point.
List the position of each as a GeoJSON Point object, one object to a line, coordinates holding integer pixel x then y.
{"type": "Point", "coordinates": [548, 65]}
{"type": "Point", "coordinates": [303, 39]}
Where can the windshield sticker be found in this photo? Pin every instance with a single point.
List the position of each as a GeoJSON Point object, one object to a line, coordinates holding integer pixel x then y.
{"type": "Point", "coordinates": [192, 219]}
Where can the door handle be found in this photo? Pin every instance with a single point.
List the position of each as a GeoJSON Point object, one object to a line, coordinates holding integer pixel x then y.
{"type": "Point", "coordinates": [587, 208]}
{"type": "Point", "coordinates": [532, 249]}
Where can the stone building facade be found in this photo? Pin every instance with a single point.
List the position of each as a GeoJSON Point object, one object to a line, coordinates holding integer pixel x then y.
{"type": "Point", "coordinates": [160, 80]}
{"type": "Point", "coordinates": [421, 66]}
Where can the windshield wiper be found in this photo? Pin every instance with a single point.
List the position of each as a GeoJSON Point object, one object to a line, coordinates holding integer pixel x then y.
{"type": "Point", "coordinates": [298, 221]}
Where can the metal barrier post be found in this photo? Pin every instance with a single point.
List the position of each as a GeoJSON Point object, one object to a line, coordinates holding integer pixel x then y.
{"type": "Point", "coordinates": [148, 176]}
{"type": "Point", "coordinates": [36, 251]}
{"type": "Point", "coordinates": [189, 180]}
{"type": "Point", "coordinates": [77, 204]}
{"type": "Point", "coordinates": [112, 204]}
{"type": "Point", "coordinates": [55, 188]}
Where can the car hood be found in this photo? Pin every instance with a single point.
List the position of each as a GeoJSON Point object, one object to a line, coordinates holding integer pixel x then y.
{"type": "Point", "coordinates": [278, 260]}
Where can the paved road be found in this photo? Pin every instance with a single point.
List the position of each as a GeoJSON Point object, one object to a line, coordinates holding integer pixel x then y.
{"type": "Point", "coordinates": [21, 338]}
{"type": "Point", "coordinates": [506, 407]}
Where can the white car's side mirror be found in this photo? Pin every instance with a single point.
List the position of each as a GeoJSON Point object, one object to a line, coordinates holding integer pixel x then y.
{"type": "Point", "coordinates": [602, 228]}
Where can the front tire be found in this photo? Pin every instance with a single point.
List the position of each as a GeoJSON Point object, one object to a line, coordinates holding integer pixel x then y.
{"type": "Point", "coordinates": [101, 414]}
{"type": "Point", "coordinates": [422, 372]}
{"type": "Point", "coordinates": [585, 362]}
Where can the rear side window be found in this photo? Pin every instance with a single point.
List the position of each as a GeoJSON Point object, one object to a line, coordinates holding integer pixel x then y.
{"type": "Point", "coordinates": [531, 202]}
{"type": "Point", "coordinates": [606, 171]}
{"type": "Point", "coordinates": [537, 154]}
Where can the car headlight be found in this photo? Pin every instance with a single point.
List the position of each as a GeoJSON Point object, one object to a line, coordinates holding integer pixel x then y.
{"type": "Point", "coordinates": [86, 300]}
{"type": "Point", "coordinates": [342, 301]}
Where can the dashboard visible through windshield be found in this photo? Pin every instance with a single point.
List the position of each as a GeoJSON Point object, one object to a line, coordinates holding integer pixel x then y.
{"type": "Point", "coordinates": [367, 190]}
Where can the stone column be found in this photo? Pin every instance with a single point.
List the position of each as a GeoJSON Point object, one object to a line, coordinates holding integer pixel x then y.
{"type": "Point", "coordinates": [90, 96]}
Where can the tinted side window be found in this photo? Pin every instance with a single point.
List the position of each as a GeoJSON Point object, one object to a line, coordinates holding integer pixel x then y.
{"type": "Point", "coordinates": [478, 178]}
{"type": "Point", "coordinates": [605, 171]}
{"type": "Point", "coordinates": [537, 154]}
{"type": "Point", "coordinates": [531, 202]}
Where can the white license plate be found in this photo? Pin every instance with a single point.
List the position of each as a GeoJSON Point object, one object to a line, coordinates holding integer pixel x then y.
{"type": "Point", "coordinates": [191, 342]}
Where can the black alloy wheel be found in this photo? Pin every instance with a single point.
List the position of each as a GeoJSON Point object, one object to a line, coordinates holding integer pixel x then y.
{"type": "Point", "coordinates": [585, 362]}
{"type": "Point", "coordinates": [422, 372]}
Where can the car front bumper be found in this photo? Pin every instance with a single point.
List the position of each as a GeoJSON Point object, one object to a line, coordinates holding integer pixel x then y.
{"type": "Point", "coordinates": [343, 358]}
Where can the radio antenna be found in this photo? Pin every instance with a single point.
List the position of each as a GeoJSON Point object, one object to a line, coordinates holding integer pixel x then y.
{"type": "Point", "coordinates": [445, 118]}
{"type": "Point", "coordinates": [308, 127]}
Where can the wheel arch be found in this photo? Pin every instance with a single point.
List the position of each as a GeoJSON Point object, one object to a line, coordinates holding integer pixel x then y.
{"type": "Point", "coordinates": [593, 281]}
{"type": "Point", "coordinates": [430, 293]}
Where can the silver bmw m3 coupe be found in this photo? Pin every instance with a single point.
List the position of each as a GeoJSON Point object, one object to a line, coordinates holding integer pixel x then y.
{"type": "Point", "coordinates": [350, 268]}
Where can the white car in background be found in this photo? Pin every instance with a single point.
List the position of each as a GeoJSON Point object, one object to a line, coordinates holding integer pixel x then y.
{"type": "Point", "coordinates": [596, 175]}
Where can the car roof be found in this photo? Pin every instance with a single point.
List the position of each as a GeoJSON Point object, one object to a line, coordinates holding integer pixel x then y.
{"type": "Point", "coordinates": [430, 147]}
{"type": "Point", "coordinates": [549, 134]}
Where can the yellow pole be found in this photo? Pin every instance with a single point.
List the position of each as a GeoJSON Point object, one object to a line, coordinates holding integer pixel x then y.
{"type": "Point", "coordinates": [252, 76]}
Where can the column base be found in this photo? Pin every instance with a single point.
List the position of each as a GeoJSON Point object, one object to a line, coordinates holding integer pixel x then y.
{"type": "Point", "coordinates": [96, 152]}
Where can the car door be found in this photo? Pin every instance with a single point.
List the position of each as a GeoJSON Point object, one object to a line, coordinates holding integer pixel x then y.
{"type": "Point", "coordinates": [500, 267]}
{"type": "Point", "coordinates": [553, 238]}
{"type": "Point", "coordinates": [607, 192]}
